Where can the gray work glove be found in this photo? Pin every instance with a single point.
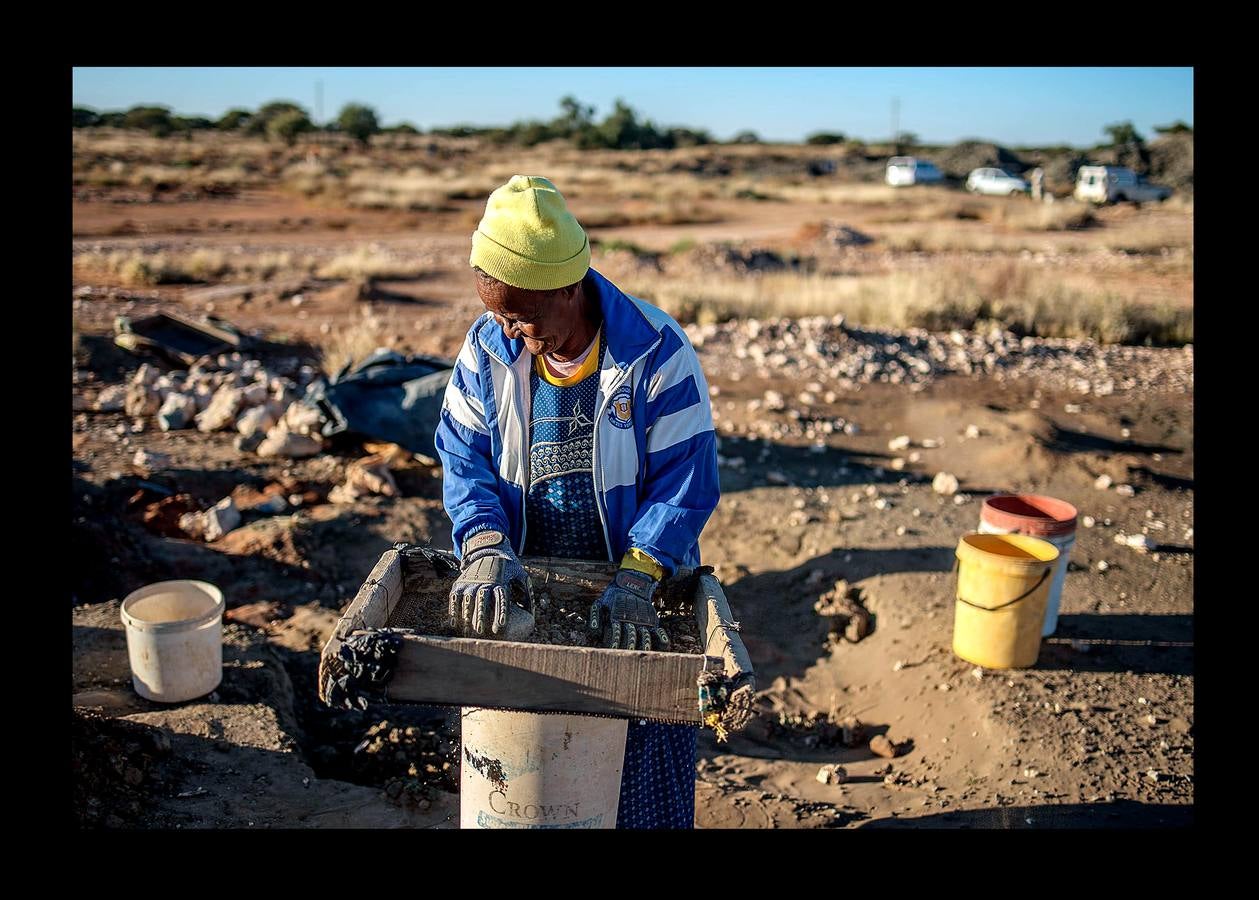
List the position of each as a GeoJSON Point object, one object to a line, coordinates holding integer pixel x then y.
{"type": "Point", "coordinates": [491, 594]}
{"type": "Point", "coordinates": [624, 616]}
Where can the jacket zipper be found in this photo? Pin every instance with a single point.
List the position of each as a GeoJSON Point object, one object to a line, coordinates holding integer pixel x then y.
{"type": "Point", "coordinates": [596, 466]}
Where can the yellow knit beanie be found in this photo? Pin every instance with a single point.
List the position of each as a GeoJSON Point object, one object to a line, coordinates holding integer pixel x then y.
{"type": "Point", "coordinates": [528, 238]}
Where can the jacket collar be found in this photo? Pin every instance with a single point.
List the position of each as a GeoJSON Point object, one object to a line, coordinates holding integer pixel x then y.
{"type": "Point", "coordinates": [628, 332]}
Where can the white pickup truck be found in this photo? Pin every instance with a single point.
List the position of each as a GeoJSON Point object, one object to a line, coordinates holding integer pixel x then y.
{"type": "Point", "coordinates": [1111, 184]}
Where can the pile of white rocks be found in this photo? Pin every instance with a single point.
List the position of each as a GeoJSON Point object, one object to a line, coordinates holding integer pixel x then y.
{"type": "Point", "coordinates": [227, 393]}
{"type": "Point", "coordinates": [825, 348]}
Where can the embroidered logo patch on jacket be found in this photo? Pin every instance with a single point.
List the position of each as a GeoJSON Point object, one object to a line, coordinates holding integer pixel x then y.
{"type": "Point", "coordinates": [619, 412]}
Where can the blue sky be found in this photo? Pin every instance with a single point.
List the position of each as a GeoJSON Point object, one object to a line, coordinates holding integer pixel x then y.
{"type": "Point", "coordinates": [1011, 106]}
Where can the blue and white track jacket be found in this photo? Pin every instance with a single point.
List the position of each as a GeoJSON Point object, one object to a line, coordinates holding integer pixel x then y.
{"type": "Point", "coordinates": [655, 453]}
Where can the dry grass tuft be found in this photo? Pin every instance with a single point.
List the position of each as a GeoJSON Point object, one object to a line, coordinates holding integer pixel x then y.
{"type": "Point", "coordinates": [352, 344]}
{"type": "Point", "coordinates": [139, 268]}
{"type": "Point", "coordinates": [668, 212]}
{"type": "Point", "coordinates": [1023, 298]}
{"type": "Point", "coordinates": [1024, 215]}
{"type": "Point", "coordinates": [369, 262]}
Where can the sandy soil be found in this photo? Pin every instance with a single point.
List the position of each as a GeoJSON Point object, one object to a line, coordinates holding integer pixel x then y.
{"type": "Point", "coordinates": [1099, 733]}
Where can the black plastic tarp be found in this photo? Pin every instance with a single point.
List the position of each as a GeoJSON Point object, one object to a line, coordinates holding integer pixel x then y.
{"type": "Point", "coordinates": [387, 397]}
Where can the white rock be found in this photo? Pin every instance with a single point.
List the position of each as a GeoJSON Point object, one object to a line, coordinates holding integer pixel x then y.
{"type": "Point", "coordinates": [944, 483]}
{"type": "Point", "coordinates": [141, 400]}
{"type": "Point", "coordinates": [149, 459]}
{"type": "Point", "coordinates": [1139, 542]}
{"type": "Point", "coordinates": [371, 475]}
{"type": "Point", "coordinates": [915, 457]}
{"type": "Point", "coordinates": [898, 463]}
{"type": "Point", "coordinates": [1088, 521]}
{"type": "Point", "coordinates": [251, 421]}
{"type": "Point", "coordinates": [1102, 565]}
{"type": "Point", "coordinates": [882, 503]}
{"type": "Point", "coordinates": [930, 443]}
{"type": "Point", "coordinates": [112, 398]}
{"type": "Point", "coordinates": [972, 431]}
{"type": "Point", "coordinates": [146, 374]}
{"type": "Point", "coordinates": [1103, 482]}
{"type": "Point", "coordinates": [302, 418]}
{"type": "Point", "coordinates": [282, 442]}
{"type": "Point", "coordinates": [177, 412]}
{"type": "Point", "coordinates": [193, 524]}
{"type": "Point", "coordinates": [774, 401]}
{"type": "Point", "coordinates": [202, 394]}
{"type": "Point", "coordinates": [898, 443]}
{"type": "Point", "coordinates": [221, 518]}
{"type": "Point", "coordinates": [832, 774]}
{"type": "Point", "coordinates": [221, 413]}
{"type": "Point", "coordinates": [959, 499]}
{"type": "Point", "coordinates": [1125, 490]}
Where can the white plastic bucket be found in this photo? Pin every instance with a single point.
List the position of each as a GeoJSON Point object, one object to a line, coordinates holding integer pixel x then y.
{"type": "Point", "coordinates": [174, 639]}
{"type": "Point", "coordinates": [525, 770]}
{"type": "Point", "coordinates": [1037, 516]}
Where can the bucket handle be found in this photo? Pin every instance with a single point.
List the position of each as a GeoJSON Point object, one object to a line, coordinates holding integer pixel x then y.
{"type": "Point", "coordinates": [1021, 596]}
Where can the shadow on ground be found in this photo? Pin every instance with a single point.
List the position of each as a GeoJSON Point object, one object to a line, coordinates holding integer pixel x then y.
{"type": "Point", "coordinates": [1118, 814]}
{"type": "Point", "coordinates": [1111, 643]}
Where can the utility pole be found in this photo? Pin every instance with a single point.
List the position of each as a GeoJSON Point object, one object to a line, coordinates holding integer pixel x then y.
{"type": "Point", "coordinates": [319, 103]}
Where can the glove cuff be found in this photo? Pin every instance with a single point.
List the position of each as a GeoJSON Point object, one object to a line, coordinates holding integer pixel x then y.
{"type": "Point", "coordinates": [486, 543]}
{"type": "Point", "coordinates": [640, 561]}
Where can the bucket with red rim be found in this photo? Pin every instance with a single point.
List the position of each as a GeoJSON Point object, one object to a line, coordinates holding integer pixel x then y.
{"type": "Point", "coordinates": [1036, 515]}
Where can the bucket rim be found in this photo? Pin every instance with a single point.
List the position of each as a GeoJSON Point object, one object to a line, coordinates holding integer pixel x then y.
{"type": "Point", "coordinates": [967, 551]}
{"type": "Point", "coordinates": [1047, 525]}
{"type": "Point", "coordinates": [216, 611]}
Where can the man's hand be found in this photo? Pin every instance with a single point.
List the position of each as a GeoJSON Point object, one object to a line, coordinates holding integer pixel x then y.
{"type": "Point", "coordinates": [624, 616]}
{"type": "Point", "coordinates": [491, 580]}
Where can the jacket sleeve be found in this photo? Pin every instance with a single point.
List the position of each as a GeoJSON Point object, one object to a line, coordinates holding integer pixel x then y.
{"type": "Point", "coordinates": [681, 485]}
{"type": "Point", "coordinates": [469, 482]}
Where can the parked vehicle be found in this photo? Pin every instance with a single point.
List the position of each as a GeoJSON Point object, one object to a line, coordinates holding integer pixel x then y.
{"type": "Point", "coordinates": [1112, 184]}
{"type": "Point", "coordinates": [995, 181]}
{"type": "Point", "coordinates": [902, 170]}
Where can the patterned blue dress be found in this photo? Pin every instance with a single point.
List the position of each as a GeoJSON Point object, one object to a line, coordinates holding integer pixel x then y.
{"type": "Point", "coordinates": [658, 779]}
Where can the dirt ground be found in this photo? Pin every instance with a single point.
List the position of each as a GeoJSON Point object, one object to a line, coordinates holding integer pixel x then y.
{"type": "Point", "coordinates": [1099, 733]}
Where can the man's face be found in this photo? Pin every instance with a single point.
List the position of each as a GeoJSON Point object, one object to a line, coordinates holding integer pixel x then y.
{"type": "Point", "coordinates": [544, 320]}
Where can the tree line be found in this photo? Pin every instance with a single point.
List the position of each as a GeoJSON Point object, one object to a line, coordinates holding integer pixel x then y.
{"type": "Point", "coordinates": [620, 129]}
{"type": "Point", "coordinates": [283, 120]}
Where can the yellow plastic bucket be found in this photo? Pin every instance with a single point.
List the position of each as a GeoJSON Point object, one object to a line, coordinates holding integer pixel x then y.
{"type": "Point", "coordinates": [1003, 583]}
